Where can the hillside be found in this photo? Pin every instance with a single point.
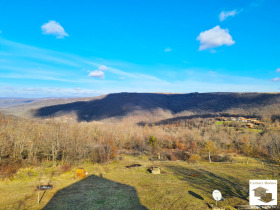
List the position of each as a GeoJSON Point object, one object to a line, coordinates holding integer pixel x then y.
{"type": "Point", "coordinates": [11, 102]}
{"type": "Point", "coordinates": [156, 104]}
{"type": "Point", "coordinates": [25, 107]}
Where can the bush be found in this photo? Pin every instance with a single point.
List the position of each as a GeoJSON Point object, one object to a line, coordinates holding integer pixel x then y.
{"type": "Point", "coordinates": [171, 156]}
{"type": "Point", "coordinates": [9, 167]}
{"type": "Point", "coordinates": [152, 141]}
{"type": "Point", "coordinates": [177, 155]}
{"type": "Point", "coordinates": [221, 158]}
{"type": "Point", "coordinates": [194, 158]}
{"type": "Point", "coordinates": [65, 168]}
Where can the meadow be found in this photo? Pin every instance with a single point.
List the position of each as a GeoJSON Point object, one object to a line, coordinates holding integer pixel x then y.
{"type": "Point", "coordinates": [111, 185]}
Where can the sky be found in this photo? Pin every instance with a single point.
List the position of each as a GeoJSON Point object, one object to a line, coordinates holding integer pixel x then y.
{"type": "Point", "coordinates": [51, 48]}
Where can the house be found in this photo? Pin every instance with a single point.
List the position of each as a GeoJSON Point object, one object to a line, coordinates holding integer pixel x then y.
{"type": "Point", "coordinates": [225, 119]}
{"type": "Point", "coordinates": [239, 118]}
{"type": "Point", "coordinates": [250, 125]}
{"type": "Point", "coordinates": [257, 122]}
{"type": "Point", "coordinates": [242, 119]}
{"type": "Point", "coordinates": [267, 198]}
{"type": "Point", "coordinates": [260, 192]}
{"type": "Point", "coordinates": [232, 119]}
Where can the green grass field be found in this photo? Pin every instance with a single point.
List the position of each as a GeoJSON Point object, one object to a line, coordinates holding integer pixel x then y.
{"type": "Point", "coordinates": [249, 129]}
{"type": "Point", "coordinates": [113, 186]}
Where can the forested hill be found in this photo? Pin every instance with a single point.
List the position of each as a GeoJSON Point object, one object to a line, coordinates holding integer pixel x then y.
{"type": "Point", "coordinates": [124, 104]}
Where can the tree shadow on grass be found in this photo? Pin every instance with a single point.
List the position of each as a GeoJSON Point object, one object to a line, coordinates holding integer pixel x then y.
{"type": "Point", "coordinates": [94, 192]}
{"type": "Point", "coordinates": [207, 181]}
{"type": "Point", "coordinates": [195, 195]}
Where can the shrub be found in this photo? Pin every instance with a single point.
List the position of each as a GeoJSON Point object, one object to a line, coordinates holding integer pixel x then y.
{"type": "Point", "coordinates": [177, 155]}
{"type": "Point", "coordinates": [9, 167]}
{"type": "Point", "coordinates": [194, 158]}
{"type": "Point", "coordinates": [65, 168]}
{"type": "Point", "coordinates": [221, 158]}
{"type": "Point", "coordinates": [114, 152]}
{"type": "Point", "coordinates": [171, 156]}
{"type": "Point", "coordinates": [152, 141]}
{"type": "Point", "coordinates": [182, 155]}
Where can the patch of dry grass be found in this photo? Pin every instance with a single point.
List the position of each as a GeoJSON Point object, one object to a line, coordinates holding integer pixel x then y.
{"type": "Point", "coordinates": [179, 186]}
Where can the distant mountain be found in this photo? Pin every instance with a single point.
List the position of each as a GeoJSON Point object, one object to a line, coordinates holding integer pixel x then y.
{"type": "Point", "coordinates": [125, 104]}
{"type": "Point", "coordinates": [158, 105]}
{"type": "Point", "coordinates": [10, 102]}
{"type": "Point", "coordinates": [24, 107]}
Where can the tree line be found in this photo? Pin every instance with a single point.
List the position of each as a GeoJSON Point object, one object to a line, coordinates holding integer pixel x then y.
{"type": "Point", "coordinates": [31, 141]}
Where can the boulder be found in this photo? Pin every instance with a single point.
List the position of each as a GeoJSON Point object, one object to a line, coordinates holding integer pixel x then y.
{"type": "Point", "coordinates": [154, 170]}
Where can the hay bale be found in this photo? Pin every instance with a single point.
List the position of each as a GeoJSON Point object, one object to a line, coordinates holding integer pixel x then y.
{"type": "Point", "coordinates": [80, 173]}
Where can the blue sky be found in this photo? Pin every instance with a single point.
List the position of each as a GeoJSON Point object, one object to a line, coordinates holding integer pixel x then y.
{"type": "Point", "coordinates": [85, 48]}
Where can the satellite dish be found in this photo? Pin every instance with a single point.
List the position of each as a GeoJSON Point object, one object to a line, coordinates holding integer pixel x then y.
{"type": "Point", "coordinates": [217, 195]}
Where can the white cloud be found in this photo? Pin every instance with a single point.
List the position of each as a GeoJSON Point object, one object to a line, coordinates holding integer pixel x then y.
{"type": "Point", "coordinates": [278, 70]}
{"type": "Point", "coordinates": [54, 28]}
{"type": "Point", "coordinates": [225, 14]}
{"type": "Point", "coordinates": [97, 74]}
{"type": "Point", "coordinates": [214, 37]}
{"type": "Point", "coordinates": [276, 79]}
{"type": "Point", "coordinates": [102, 68]}
{"type": "Point", "coordinates": [167, 50]}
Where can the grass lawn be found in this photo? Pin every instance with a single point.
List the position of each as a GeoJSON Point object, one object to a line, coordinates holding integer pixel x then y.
{"type": "Point", "coordinates": [113, 186]}
{"type": "Point", "coordinates": [250, 129]}
{"type": "Point", "coordinates": [255, 130]}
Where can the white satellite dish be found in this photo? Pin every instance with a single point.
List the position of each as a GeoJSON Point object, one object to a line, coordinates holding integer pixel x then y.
{"type": "Point", "coordinates": [217, 195]}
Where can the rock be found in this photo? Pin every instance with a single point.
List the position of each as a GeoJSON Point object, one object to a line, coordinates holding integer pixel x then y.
{"type": "Point", "coordinates": [44, 187]}
{"type": "Point", "coordinates": [154, 170]}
